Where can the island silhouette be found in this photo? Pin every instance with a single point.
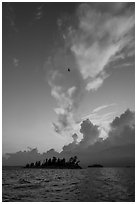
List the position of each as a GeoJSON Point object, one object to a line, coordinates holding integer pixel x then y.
{"type": "Point", "coordinates": [56, 163]}
{"type": "Point", "coordinates": [95, 165]}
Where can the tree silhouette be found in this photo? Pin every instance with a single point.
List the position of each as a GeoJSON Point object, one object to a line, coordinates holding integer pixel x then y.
{"type": "Point", "coordinates": [72, 163]}
{"type": "Point", "coordinates": [32, 165]}
{"type": "Point", "coordinates": [49, 162]}
{"type": "Point", "coordinates": [54, 159]}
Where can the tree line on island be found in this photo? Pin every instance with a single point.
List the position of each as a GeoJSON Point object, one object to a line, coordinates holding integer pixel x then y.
{"type": "Point", "coordinates": [57, 163]}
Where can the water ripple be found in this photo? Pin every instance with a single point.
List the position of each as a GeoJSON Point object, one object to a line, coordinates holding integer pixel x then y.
{"type": "Point", "coordinates": [89, 185]}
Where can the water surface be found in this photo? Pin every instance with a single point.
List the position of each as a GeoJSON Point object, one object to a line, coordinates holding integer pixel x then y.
{"type": "Point", "coordinates": [92, 184]}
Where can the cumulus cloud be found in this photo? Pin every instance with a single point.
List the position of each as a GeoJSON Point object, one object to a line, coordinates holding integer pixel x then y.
{"type": "Point", "coordinates": [101, 119]}
{"type": "Point", "coordinates": [123, 129]}
{"type": "Point", "coordinates": [75, 137]}
{"type": "Point", "coordinates": [118, 149]}
{"type": "Point", "coordinates": [90, 133]}
{"type": "Point", "coordinates": [127, 118]}
{"type": "Point", "coordinates": [71, 146]}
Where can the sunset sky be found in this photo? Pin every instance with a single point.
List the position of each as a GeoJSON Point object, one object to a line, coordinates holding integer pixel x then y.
{"type": "Point", "coordinates": [43, 103]}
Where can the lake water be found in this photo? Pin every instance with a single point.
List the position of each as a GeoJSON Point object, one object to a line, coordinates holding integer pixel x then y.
{"type": "Point", "coordinates": [92, 184]}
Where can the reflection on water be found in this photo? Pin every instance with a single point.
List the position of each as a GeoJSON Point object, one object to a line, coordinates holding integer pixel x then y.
{"type": "Point", "coordinates": [93, 184]}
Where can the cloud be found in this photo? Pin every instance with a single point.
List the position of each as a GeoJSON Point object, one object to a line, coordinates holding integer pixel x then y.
{"type": "Point", "coordinates": [75, 137]}
{"type": "Point", "coordinates": [64, 100]}
{"type": "Point", "coordinates": [99, 36]}
{"type": "Point", "coordinates": [9, 11]}
{"type": "Point", "coordinates": [102, 120]}
{"type": "Point", "coordinates": [93, 38]}
{"type": "Point", "coordinates": [15, 62]}
{"type": "Point", "coordinates": [118, 149]}
{"type": "Point", "coordinates": [96, 83]}
{"type": "Point", "coordinates": [123, 65]}
{"type": "Point", "coordinates": [123, 128]}
{"type": "Point", "coordinates": [39, 12]}
{"type": "Point", "coordinates": [21, 158]}
{"type": "Point", "coordinates": [65, 108]}
{"type": "Point", "coordinates": [66, 88]}
{"type": "Point", "coordinates": [71, 146]}
{"type": "Point", "coordinates": [127, 118]}
{"type": "Point", "coordinates": [102, 107]}
{"type": "Point", "coordinates": [90, 133]}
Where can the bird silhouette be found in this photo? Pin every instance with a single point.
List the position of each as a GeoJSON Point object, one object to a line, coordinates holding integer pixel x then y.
{"type": "Point", "coordinates": [68, 70]}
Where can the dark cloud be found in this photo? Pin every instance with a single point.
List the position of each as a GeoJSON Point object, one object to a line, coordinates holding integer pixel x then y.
{"type": "Point", "coordinates": [72, 146]}
{"type": "Point", "coordinates": [118, 149]}
{"type": "Point", "coordinates": [123, 129]}
{"type": "Point", "coordinates": [90, 133]}
{"type": "Point", "coordinates": [22, 157]}
{"type": "Point", "coordinates": [127, 118]}
{"type": "Point", "coordinates": [75, 137]}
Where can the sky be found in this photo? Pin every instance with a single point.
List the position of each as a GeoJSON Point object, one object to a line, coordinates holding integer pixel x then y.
{"type": "Point", "coordinates": [43, 105]}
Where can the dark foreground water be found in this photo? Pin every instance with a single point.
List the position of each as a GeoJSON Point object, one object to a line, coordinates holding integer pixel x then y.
{"type": "Point", "coordinates": [92, 184]}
